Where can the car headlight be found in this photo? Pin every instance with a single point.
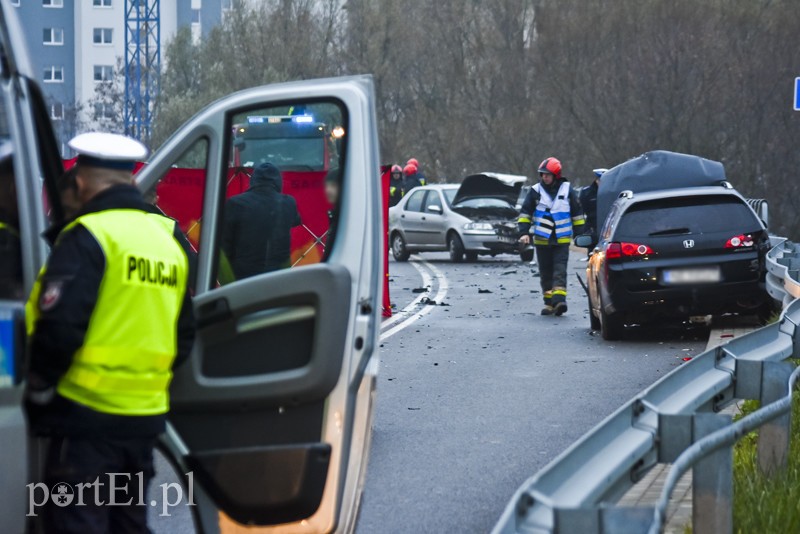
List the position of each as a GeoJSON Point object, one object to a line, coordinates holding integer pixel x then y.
{"type": "Point", "coordinates": [478, 226]}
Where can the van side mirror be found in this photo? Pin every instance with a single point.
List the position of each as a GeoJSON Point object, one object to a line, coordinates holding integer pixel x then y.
{"type": "Point", "coordinates": [435, 209]}
{"type": "Point", "coordinates": [584, 241]}
{"type": "Point", "coordinates": [12, 342]}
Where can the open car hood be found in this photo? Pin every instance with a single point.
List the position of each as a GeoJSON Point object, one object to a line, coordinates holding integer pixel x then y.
{"type": "Point", "coordinates": [490, 185]}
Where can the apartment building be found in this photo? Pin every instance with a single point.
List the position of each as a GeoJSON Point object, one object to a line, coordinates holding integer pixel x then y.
{"type": "Point", "coordinates": [76, 45]}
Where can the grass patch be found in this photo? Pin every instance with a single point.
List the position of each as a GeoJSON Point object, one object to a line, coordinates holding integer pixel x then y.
{"type": "Point", "coordinates": [761, 504]}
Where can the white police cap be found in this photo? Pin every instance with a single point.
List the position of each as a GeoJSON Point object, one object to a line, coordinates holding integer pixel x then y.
{"type": "Point", "coordinates": [108, 150]}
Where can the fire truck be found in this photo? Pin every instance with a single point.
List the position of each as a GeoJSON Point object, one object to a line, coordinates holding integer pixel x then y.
{"type": "Point", "coordinates": [299, 145]}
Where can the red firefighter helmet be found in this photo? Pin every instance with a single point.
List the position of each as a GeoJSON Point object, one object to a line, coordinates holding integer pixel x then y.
{"type": "Point", "coordinates": [410, 169]}
{"type": "Point", "coordinates": [551, 165]}
{"type": "Point", "coordinates": [396, 168]}
{"type": "Point", "coordinates": [414, 162]}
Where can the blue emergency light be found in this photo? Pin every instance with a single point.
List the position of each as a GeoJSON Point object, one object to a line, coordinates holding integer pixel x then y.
{"type": "Point", "coordinates": [797, 94]}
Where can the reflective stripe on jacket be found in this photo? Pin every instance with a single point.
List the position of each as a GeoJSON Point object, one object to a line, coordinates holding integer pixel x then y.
{"type": "Point", "coordinates": [552, 214]}
{"type": "Point", "coordinates": [124, 365]}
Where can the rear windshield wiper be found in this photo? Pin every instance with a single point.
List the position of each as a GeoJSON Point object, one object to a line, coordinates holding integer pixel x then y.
{"type": "Point", "coordinates": [671, 231]}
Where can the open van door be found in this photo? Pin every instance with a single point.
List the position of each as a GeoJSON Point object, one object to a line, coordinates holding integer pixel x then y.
{"type": "Point", "coordinates": [30, 159]}
{"type": "Point", "coordinates": [271, 416]}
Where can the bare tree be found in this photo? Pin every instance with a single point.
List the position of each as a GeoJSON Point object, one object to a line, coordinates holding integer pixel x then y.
{"type": "Point", "coordinates": [474, 85]}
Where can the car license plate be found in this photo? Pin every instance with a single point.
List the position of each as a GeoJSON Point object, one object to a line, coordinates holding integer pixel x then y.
{"type": "Point", "coordinates": [505, 239]}
{"type": "Point", "coordinates": [704, 275]}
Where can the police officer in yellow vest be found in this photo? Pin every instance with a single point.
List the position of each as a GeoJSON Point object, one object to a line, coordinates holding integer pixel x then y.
{"type": "Point", "coordinates": [552, 213]}
{"type": "Point", "coordinates": [109, 317]}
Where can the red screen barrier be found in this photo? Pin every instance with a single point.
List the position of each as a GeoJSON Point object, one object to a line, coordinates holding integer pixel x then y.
{"type": "Point", "coordinates": [180, 196]}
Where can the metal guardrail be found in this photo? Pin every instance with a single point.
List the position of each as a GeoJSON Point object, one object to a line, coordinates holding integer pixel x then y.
{"type": "Point", "coordinates": [761, 207]}
{"type": "Point", "coordinates": [674, 420]}
{"type": "Point", "coordinates": [783, 271]}
{"type": "Point", "coordinates": [724, 438]}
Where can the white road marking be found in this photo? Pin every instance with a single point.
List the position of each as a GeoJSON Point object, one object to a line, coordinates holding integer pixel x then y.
{"type": "Point", "coordinates": [408, 310]}
{"type": "Point", "coordinates": [416, 310]}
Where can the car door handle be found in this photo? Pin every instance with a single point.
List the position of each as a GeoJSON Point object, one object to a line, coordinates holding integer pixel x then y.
{"type": "Point", "coordinates": [402, 216]}
{"type": "Point", "coordinates": [424, 219]}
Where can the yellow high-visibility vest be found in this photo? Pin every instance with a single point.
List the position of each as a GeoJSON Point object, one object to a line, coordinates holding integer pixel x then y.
{"type": "Point", "coordinates": [124, 366]}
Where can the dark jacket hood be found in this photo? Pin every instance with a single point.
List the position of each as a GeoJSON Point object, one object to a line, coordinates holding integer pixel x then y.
{"type": "Point", "coordinates": [267, 176]}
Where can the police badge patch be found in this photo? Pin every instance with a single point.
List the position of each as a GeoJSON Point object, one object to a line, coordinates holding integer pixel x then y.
{"type": "Point", "coordinates": [50, 295]}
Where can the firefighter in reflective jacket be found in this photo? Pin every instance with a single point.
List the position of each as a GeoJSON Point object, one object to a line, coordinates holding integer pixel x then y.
{"type": "Point", "coordinates": [395, 185]}
{"type": "Point", "coordinates": [108, 318]}
{"type": "Point", "coordinates": [552, 213]}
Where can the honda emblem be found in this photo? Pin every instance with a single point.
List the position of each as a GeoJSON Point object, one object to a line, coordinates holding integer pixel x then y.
{"type": "Point", "coordinates": [689, 243]}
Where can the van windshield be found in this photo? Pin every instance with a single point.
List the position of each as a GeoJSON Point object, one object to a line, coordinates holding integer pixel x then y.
{"type": "Point", "coordinates": [295, 153]}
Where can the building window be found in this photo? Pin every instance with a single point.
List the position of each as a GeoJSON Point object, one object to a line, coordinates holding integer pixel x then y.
{"type": "Point", "coordinates": [103, 73]}
{"type": "Point", "coordinates": [103, 111]}
{"type": "Point", "coordinates": [102, 36]}
{"type": "Point", "coordinates": [195, 16]}
{"type": "Point", "coordinates": [53, 3]}
{"type": "Point", "coordinates": [53, 36]}
{"type": "Point", "coordinates": [57, 111]}
{"type": "Point", "coordinates": [54, 74]}
{"type": "Point", "coordinates": [101, 3]}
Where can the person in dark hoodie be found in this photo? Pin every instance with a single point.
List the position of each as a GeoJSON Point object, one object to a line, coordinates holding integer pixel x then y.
{"type": "Point", "coordinates": [552, 213]}
{"type": "Point", "coordinates": [256, 236]}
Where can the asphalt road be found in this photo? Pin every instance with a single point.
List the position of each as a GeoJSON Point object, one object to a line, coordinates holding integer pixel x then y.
{"type": "Point", "coordinates": [474, 396]}
{"type": "Point", "coordinates": [479, 394]}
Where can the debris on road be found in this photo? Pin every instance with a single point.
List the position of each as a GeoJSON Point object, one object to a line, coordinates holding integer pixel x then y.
{"type": "Point", "coordinates": [484, 290]}
{"type": "Point", "coordinates": [420, 290]}
{"type": "Point", "coordinates": [509, 272]}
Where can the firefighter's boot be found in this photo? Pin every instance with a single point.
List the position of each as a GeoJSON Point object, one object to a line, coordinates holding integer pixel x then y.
{"type": "Point", "coordinates": [559, 300]}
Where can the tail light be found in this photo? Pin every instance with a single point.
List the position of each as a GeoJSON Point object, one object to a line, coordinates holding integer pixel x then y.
{"type": "Point", "coordinates": [628, 250]}
{"type": "Point", "coordinates": [740, 241]}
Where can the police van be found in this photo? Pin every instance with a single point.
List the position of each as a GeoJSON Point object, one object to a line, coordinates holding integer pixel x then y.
{"type": "Point", "coordinates": [270, 417]}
